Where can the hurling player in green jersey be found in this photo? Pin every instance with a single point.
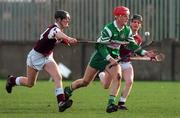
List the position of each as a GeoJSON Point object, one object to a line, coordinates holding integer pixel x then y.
{"type": "Point", "coordinates": [106, 55]}
{"type": "Point", "coordinates": [126, 65]}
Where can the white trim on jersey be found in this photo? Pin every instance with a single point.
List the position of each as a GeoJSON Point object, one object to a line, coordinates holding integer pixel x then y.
{"type": "Point", "coordinates": [52, 32]}
{"type": "Point", "coordinates": [115, 24]}
{"type": "Point", "coordinates": [108, 57]}
{"type": "Point", "coordinates": [57, 25]}
{"type": "Point", "coordinates": [109, 31]}
{"type": "Point", "coordinates": [104, 39]}
{"type": "Point", "coordinates": [100, 39]}
{"type": "Point", "coordinates": [130, 37]}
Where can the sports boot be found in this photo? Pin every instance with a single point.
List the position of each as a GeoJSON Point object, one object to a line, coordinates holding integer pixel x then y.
{"type": "Point", "coordinates": [10, 83]}
{"type": "Point", "coordinates": [63, 105]}
{"type": "Point", "coordinates": [111, 108]}
{"type": "Point", "coordinates": [121, 106]}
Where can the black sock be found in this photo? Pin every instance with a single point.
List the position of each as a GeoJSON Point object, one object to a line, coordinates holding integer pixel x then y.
{"type": "Point", "coordinates": [121, 103]}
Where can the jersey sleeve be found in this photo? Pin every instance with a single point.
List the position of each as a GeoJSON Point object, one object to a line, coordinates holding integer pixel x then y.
{"type": "Point", "coordinates": [52, 32]}
{"type": "Point", "coordinates": [105, 36]}
{"type": "Point", "coordinates": [134, 46]}
{"type": "Point", "coordinates": [138, 39]}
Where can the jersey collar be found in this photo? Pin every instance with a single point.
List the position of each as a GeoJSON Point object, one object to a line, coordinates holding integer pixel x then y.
{"type": "Point", "coordinates": [57, 25]}
{"type": "Point", "coordinates": [115, 24]}
{"type": "Point", "coordinates": [135, 34]}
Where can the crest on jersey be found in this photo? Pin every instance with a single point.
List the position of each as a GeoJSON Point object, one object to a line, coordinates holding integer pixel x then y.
{"type": "Point", "coordinates": [122, 36]}
{"type": "Point", "coordinates": [115, 35]}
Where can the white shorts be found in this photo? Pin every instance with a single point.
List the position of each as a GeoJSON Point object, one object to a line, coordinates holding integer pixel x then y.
{"type": "Point", "coordinates": [37, 61]}
{"type": "Point", "coordinates": [125, 65]}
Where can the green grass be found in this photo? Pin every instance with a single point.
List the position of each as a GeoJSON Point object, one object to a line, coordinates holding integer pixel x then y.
{"type": "Point", "coordinates": [147, 100]}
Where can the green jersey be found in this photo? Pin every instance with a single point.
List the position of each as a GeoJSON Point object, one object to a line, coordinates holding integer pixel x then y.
{"type": "Point", "coordinates": [111, 33]}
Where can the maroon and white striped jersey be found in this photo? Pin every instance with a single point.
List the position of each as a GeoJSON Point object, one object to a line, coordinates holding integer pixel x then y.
{"type": "Point", "coordinates": [47, 41]}
{"type": "Point", "coordinates": [125, 53]}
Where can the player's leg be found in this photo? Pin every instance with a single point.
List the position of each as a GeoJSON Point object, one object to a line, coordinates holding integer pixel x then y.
{"type": "Point", "coordinates": [53, 70]}
{"type": "Point", "coordinates": [28, 81]}
{"type": "Point", "coordinates": [95, 64]}
{"type": "Point", "coordinates": [88, 77]}
{"type": "Point", "coordinates": [128, 75]}
{"type": "Point", "coordinates": [115, 73]}
{"type": "Point", "coordinates": [105, 79]}
{"type": "Point", "coordinates": [31, 78]}
{"type": "Point", "coordinates": [35, 62]}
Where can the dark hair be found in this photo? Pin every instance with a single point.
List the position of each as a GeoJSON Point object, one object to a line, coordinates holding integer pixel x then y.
{"type": "Point", "coordinates": [136, 17]}
{"type": "Point", "coordinates": [61, 14]}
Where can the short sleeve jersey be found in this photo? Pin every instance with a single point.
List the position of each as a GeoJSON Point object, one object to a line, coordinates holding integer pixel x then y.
{"type": "Point", "coordinates": [47, 41]}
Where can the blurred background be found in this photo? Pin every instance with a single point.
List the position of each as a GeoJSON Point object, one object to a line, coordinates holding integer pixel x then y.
{"type": "Point", "coordinates": [22, 22]}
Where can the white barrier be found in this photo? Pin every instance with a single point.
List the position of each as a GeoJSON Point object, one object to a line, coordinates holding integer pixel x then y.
{"type": "Point", "coordinates": [65, 71]}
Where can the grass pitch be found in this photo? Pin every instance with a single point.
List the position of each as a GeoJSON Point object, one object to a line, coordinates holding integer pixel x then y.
{"type": "Point", "coordinates": [147, 100]}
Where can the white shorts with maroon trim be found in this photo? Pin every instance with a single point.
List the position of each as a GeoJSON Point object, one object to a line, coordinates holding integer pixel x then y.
{"type": "Point", "coordinates": [37, 61]}
{"type": "Point", "coordinates": [125, 65]}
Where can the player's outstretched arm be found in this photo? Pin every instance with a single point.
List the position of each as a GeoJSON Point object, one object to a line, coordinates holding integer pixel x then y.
{"type": "Point", "coordinates": [64, 38]}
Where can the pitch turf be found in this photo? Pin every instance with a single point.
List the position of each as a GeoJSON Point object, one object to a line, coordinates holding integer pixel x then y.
{"type": "Point", "coordinates": [147, 100]}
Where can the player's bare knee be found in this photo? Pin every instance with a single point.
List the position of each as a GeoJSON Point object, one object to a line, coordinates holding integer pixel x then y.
{"type": "Point", "coordinates": [129, 83]}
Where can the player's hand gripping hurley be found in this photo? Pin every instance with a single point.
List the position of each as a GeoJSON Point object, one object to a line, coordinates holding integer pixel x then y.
{"type": "Point", "coordinates": [153, 55]}
{"type": "Point", "coordinates": [158, 57]}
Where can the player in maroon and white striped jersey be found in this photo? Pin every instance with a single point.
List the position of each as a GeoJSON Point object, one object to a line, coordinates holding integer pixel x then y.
{"type": "Point", "coordinates": [126, 66]}
{"type": "Point", "coordinates": [41, 58]}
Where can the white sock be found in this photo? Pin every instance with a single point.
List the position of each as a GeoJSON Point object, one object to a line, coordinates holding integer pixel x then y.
{"type": "Point", "coordinates": [101, 75]}
{"type": "Point", "coordinates": [59, 91]}
{"type": "Point", "coordinates": [18, 81]}
{"type": "Point", "coordinates": [122, 99]}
